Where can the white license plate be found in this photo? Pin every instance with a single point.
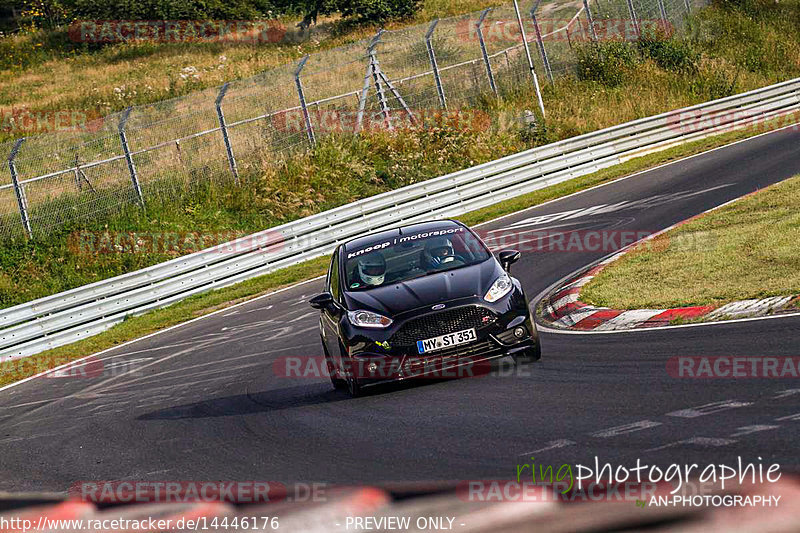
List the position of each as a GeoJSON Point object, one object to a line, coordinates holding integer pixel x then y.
{"type": "Point", "coordinates": [446, 341]}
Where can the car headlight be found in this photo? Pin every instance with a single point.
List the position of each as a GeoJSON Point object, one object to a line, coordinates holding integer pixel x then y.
{"type": "Point", "coordinates": [368, 319]}
{"type": "Point", "coordinates": [499, 288]}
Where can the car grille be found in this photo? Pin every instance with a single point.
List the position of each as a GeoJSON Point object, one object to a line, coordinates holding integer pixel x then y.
{"type": "Point", "coordinates": [441, 323]}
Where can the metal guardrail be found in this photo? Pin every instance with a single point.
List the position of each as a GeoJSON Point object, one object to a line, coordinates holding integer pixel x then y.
{"type": "Point", "coordinates": [69, 316]}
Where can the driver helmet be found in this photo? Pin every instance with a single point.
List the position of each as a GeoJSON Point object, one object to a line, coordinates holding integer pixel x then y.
{"type": "Point", "coordinates": [439, 251]}
{"type": "Point", "coordinates": [372, 268]}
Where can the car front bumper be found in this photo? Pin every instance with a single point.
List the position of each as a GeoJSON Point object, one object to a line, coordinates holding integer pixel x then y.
{"type": "Point", "coordinates": [393, 355]}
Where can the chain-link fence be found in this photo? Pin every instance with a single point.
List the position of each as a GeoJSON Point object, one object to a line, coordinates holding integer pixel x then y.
{"type": "Point", "coordinates": [395, 79]}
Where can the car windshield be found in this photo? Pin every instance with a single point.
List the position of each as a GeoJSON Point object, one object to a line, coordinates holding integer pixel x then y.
{"type": "Point", "coordinates": [412, 256]}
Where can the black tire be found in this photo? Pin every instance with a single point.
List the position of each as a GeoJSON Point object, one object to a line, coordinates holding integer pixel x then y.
{"type": "Point", "coordinates": [353, 386]}
{"type": "Point", "coordinates": [529, 356]}
{"type": "Point", "coordinates": [337, 382]}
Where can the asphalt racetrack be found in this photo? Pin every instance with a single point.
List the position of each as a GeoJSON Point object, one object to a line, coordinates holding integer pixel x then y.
{"type": "Point", "coordinates": [207, 401]}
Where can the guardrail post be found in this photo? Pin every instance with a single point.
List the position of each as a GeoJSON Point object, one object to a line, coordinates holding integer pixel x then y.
{"type": "Point", "coordinates": [663, 12]}
{"type": "Point", "coordinates": [312, 139]}
{"type": "Point", "coordinates": [19, 190]}
{"type": "Point", "coordinates": [634, 19]}
{"type": "Point", "coordinates": [224, 127]}
{"type": "Point", "coordinates": [590, 19]}
{"type": "Point", "coordinates": [123, 137]}
{"type": "Point", "coordinates": [435, 64]}
{"type": "Point", "coordinates": [485, 53]}
{"type": "Point", "coordinates": [539, 40]}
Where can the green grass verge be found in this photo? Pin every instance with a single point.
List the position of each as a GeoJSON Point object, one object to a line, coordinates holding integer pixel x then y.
{"type": "Point", "coordinates": [748, 249]}
{"type": "Point", "coordinates": [203, 304]}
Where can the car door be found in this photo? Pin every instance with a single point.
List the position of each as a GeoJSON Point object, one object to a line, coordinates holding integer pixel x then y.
{"type": "Point", "coordinates": [329, 318]}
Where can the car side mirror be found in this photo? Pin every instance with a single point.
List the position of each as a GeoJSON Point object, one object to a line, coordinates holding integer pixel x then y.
{"type": "Point", "coordinates": [321, 301]}
{"type": "Point", "coordinates": [508, 258]}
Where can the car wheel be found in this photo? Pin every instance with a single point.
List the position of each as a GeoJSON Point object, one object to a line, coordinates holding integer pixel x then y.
{"type": "Point", "coordinates": [353, 386]}
{"type": "Point", "coordinates": [336, 381]}
{"type": "Point", "coordinates": [530, 355]}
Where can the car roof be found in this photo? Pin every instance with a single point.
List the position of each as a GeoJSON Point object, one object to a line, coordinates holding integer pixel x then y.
{"type": "Point", "coordinates": [382, 236]}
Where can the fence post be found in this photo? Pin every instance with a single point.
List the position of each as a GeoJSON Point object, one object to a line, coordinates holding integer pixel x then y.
{"type": "Point", "coordinates": [534, 77]}
{"type": "Point", "coordinates": [362, 100]}
{"type": "Point", "coordinates": [479, 25]}
{"type": "Point", "coordinates": [663, 12]}
{"type": "Point", "coordinates": [635, 20]}
{"type": "Point", "coordinates": [539, 39]}
{"type": "Point", "coordinates": [123, 120]}
{"type": "Point", "coordinates": [688, 5]}
{"type": "Point", "coordinates": [376, 78]}
{"type": "Point", "coordinates": [224, 127]}
{"type": "Point", "coordinates": [19, 190]}
{"type": "Point", "coordinates": [435, 64]}
{"type": "Point", "coordinates": [77, 174]}
{"type": "Point", "coordinates": [590, 19]}
{"type": "Point", "coordinates": [312, 139]}
{"type": "Point", "coordinates": [397, 95]}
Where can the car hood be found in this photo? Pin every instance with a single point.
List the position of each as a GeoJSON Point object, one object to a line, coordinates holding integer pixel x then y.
{"type": "Point", "coordinates": [392, 300]}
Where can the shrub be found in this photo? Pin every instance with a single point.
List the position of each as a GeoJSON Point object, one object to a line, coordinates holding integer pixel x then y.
{"type": "Point", "coordinates": [668, 53]}
{"type": "Point", "coordinates": [354, 11]}
{"type": "Point", "coordinates": [378, 11]}
{"type": "Point", "coordinates": [169, 9]}
{"type": "Point", "coordinates": [713, 85]}
{"type": "Point", "coordinates": [537, 133]}
{"type": "Point", "coordinates": [606, 63]}
{"type": "Point", "coordinates": [746, 6]}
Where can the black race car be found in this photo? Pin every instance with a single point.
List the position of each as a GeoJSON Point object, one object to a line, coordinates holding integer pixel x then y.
{"type": "Point", "coordinates": [426, 299]}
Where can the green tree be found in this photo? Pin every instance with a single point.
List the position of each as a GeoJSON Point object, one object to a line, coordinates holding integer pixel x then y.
{"type": "Point", "coordinates": [170, 9]}
{"type": "Point", "coordinates": [360, 11]}
{"type": "Point", "coordinates": [378, 10]}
